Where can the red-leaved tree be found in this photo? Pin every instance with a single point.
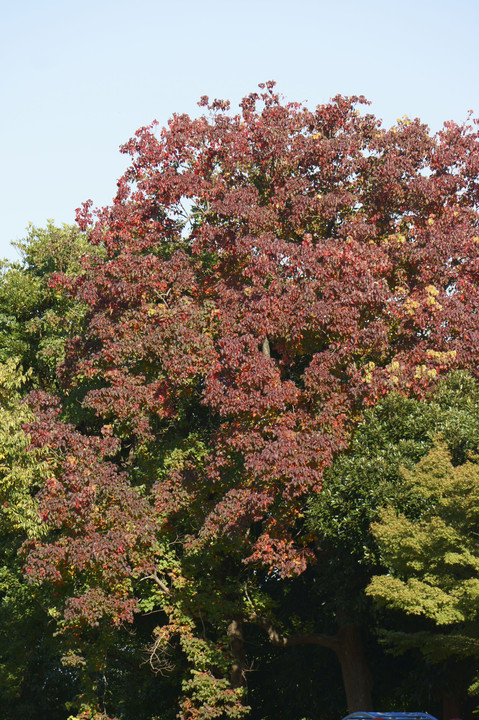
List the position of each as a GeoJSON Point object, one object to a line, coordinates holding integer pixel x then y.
{"type": "Point", "coordinates": [264, 277]}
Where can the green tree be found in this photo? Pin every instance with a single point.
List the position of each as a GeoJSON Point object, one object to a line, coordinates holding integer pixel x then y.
{"type": "Point", "coordinates": [36, 317]}
{"type": "Point", "coordinates": [395, 434]}
{"type": "Point", "coordinates": [432, 557]}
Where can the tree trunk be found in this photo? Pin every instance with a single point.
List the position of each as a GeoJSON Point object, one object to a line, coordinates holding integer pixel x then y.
{"type": "Point", "coordinates": [450, 706]}
{"type": "Point", "coordinates": [238, 668]}
{"type": "Point", "coordinates": [357, 678]}
{"type": "Point", "coordinates": [348, 648]}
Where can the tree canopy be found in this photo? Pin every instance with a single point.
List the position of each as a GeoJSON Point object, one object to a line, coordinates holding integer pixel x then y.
{"type": "Point", "coordinates": [260, 280]}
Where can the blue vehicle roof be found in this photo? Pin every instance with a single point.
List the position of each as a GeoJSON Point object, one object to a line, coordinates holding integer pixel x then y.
{"type": "Point", "coordinates": [376, 715]}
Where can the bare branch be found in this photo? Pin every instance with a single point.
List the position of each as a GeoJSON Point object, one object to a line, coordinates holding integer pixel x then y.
{"type": "Point", "coordinates": [265, 348]}
{"type": "Point", "coordinates": [158, 657]}
{"type": "Point", "coordinates": [159, 581]}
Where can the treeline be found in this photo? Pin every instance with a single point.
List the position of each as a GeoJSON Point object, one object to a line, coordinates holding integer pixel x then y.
{"type": "Point", "coordinates": [240, 427]}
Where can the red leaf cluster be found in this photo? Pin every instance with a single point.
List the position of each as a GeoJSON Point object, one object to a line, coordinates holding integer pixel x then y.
{"type": "Point", "coordinates": [101, 531]}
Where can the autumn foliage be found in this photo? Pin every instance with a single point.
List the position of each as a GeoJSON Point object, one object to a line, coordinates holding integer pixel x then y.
{"type": "Point", "coordinates": [263, 277]}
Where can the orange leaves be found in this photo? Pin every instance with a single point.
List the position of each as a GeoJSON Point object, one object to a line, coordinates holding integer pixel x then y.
{"type": "Point", "coordinates": [280, 556]}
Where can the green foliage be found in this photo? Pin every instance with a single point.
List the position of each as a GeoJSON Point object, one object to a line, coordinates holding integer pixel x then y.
{"type": "Point", "coordinates": [432, 560]}
{"type": "Point", "coordinates": [395, 434]}
{"type": "Point", "coordinates": [391, 437]}
{"type": "Point", "coordinates": [208, 697]}
{"type": "Point", "coordinates": [22, 468]}
{"type": "Point", "coordinates": [28, 656]}
{"type": "Point", "coordinates": [36, 317]}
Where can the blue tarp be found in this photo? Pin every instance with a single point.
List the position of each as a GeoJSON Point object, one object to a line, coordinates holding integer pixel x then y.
{"type": "Point", "coordinates": [389, 716]}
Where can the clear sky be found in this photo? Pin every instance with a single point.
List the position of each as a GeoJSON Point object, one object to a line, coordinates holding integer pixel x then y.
{"type": "Point", "coordinates": [78, 78]}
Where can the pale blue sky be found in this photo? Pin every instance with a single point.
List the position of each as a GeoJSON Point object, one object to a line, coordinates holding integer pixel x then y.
{"type": "Point", "coordinates": [78, 78]}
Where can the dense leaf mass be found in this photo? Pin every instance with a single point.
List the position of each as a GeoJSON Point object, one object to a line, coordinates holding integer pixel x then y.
{"type": "Point", "coordinates": [283, 267]}
{"type": "Point", "coordinates": [101, 525]}
{"type": "Point", "coordinates": [260, 279]}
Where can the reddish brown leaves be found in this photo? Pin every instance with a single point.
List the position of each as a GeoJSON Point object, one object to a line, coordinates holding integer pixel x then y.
{"type": "Point", "coordinates": [266, 276]}
{"type": "Point", "coordinates": [102, 533]}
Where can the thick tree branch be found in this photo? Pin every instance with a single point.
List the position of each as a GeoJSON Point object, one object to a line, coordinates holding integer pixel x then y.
{"type": "Point", "coordinates": [284, 641]}
{"type": "Point", "coordinates": [159, 581]}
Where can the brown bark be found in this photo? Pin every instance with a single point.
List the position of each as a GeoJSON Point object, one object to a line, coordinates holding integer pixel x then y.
{"type": "Point", "coordinates": [357, 678]}
{"type": "Point", "coordinates": [238, 668]}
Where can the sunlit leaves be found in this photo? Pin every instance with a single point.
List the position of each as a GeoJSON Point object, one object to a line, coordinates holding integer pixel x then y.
{"type": "Point", "coordinates": [433, 558]}
{"type": "Point", "coordinates": [261, 279]}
